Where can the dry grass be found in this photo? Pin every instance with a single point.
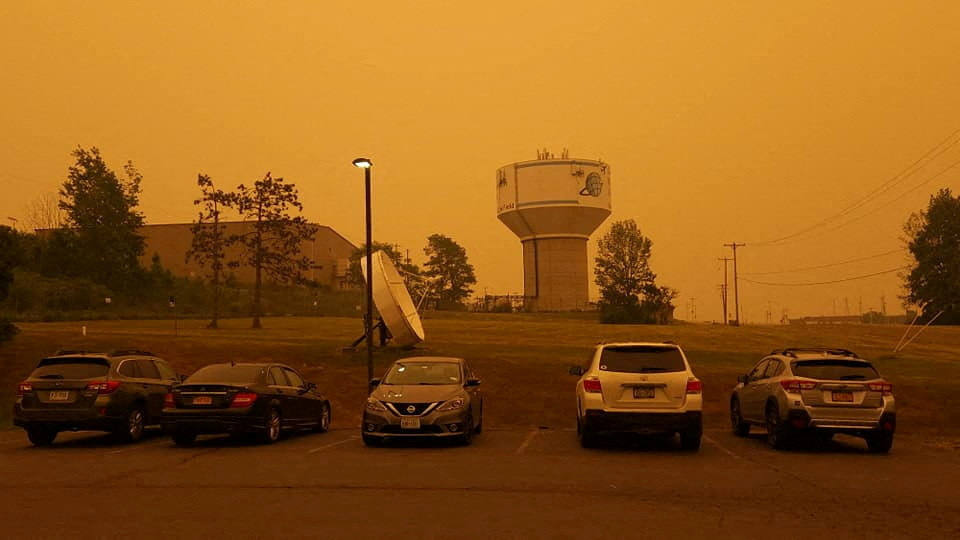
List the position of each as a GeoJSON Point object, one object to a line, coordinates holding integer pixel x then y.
{"type": "Point", "coordinates": [523, 359]}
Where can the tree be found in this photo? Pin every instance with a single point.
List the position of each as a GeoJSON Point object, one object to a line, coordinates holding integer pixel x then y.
{"type": "Point", "coordinates": [101, 212]}
{"type": "Point", "coordinates": [272, 244]}
{"type": "Point", "coordinates": [448, 268]}
{"type": "Point", "coordinates": [628, 289]}
{"type": "Point", "coordinates": [933, 238]}
{"type": "Point", "coordinates": [208, 247]}
{"type": "Point", "coordinates": [44, 212]}
{"type": "Point", "coordinates": [10, 257]}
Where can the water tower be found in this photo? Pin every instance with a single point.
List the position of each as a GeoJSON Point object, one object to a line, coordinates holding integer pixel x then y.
{"type": "Point", "coordinates": [554, 205]}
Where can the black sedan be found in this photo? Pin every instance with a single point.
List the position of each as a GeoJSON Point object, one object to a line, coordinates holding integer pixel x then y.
{"type": "Point", "coordinates": [258, 399]}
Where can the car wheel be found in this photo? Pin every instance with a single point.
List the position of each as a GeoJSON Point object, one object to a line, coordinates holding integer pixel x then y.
{"type": "Point", "coordinates": [880, 443]}
{"type": "Point", "coordinates": [369, 440]}
{"type": "Point", "coordinates": [467, 436]}
{"type": "Point", "coordinates": [323, 424]}
{"type": "Point", "coordinates": [690, 440]}
{"type": "Point", "coordinates": [41, 435]}
{"type": "Point", "coordinates": [132, 430]}
{"type": "Point", "coordinates": [271, 422]}
{"type": "Point", "coordinates": [184, 438]}
{"type": "Point", "coordinates": [776, 429]}
{"type": "Point", "coordinates": [588, 439]}
{"type": "Point", "coordinates": [740, 427]}
{"type": "Point", "coordinates": [479, 428]}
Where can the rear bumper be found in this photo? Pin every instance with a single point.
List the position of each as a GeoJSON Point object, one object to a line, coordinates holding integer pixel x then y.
{"type": "Point", "coordinates": [211, 422]}
{"type": "Point", "coordinates": [642, 422]}
{"type": "Point", "coordinates": [801, 419]}
{"type": "Point", "coordinates": [67, 420]}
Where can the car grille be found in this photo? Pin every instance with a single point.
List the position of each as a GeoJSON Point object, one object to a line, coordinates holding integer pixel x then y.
{"type": "Point", "coordinates": [411, 409]}
{"type": "Point", "coordinates": [424, 430]}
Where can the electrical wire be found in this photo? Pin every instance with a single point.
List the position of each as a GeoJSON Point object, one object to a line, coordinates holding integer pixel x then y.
{"type": "Point", "coordinates": [910, 170]}
{"type": "Point", "coordinates": [809, 284]}
{"type": "Point", "coordinates": [840, 263]}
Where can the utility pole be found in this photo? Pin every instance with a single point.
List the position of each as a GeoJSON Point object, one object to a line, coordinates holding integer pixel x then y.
{"type": "Point", "coordinates": [736, 288]}
{"type": "Point", "coordinates": [726, 312]}
{"type": "Point", "coordinates": [723, 300]}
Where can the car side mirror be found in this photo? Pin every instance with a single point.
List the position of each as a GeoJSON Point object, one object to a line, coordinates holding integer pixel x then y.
{"type": "Point", "coordinates": [374, 383]}
{"type": "Point", "coordinates": [743, 379]}
{"type": "Point", "coordinates": [181, 378]}
{"type": "Point", "coordinates": [577, 370]}
{"type": "Point", "coordinates": [308, 387]}
{"type": "Point", "coordinates": [472, 382]}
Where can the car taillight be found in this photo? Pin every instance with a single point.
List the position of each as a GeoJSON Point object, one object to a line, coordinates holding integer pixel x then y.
{"type": "Point", "coordinates": [103, 387]}
{"type": "Point", "coordinates": [694, 386]}
{"type": "Point", "coordinates": [243, 399]}
{"type": "Point", "coordinates": [592, 386]}
{"type": "Point", "coordinates": [794, 385]}
{"type": "Point", "coordinates": [24, 388]}
{"type": "Point", "coordinates": [884, 387]}
{"type": "Point", "coordinates": [168, 402]}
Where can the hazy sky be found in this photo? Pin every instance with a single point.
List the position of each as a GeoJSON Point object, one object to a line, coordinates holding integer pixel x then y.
{"type": "Point", "coordinates": [721, 121]}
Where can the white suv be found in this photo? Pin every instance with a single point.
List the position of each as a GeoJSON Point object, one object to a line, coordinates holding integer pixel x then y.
{"type": "Point", "coordinates": [640, 388]}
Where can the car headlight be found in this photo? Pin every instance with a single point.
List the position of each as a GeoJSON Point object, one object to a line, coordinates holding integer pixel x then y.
{"type": "Point", "coordinates": [452, 405]}
{"type": "Point", "coordinates": [374, 405]}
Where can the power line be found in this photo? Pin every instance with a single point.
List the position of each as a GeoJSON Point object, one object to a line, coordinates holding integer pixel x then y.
{"type": "Point", "coordinates": [840, 263]}
{"type": "Point", "coordinates": [904, 174]}
{"type": "Point", "coordinates": [807, 284]}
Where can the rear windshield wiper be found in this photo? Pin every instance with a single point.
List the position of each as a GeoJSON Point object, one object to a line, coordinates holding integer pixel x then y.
{"type": "Point", "coordinates": [850, 377]}
{"type": "Point", "coordinates": [52, 376]}
{"type": "Point", "coordinates": [653, 369]}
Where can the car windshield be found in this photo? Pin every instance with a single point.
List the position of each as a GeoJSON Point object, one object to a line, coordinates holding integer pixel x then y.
{"type": "Point", "coordinates": [835, 370]}
{"type": "Point", "coordinates": [423, 373]}
{"type": "Point", "coordinates": [71, 368]}
{"type": "Point", "coordinates": [226, 373]}
{"type": "Point", "coordinates": [641, 359]}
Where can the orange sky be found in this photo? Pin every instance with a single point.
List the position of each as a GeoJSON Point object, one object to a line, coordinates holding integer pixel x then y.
{"type": "Point", "coordinates": [721, 120]}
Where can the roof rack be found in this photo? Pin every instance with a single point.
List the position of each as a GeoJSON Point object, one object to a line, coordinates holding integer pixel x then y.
{"type": "Point", "coordinates": [792, 351]}
{"type": "Point", "coordinates": [131, 352]}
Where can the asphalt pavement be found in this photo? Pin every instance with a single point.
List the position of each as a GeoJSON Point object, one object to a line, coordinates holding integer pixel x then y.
{"type": "Point", "coordinates": [512, 483]}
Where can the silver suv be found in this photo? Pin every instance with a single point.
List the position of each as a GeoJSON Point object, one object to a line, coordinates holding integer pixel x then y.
{"type": "Point", "coordinates": [815, 390]}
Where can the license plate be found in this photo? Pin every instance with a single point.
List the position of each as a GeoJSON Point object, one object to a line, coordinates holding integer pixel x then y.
{"type": "Point", "coordinates": [846, 397]}
{"type": "Point", "coordinates": [60, 396]}
{"type": "Point", "coordinates": [410, 423]}
{"type": "Point", "coordinates": [202, 400]}
{"type": "Point", "coordinates": [643, 392]}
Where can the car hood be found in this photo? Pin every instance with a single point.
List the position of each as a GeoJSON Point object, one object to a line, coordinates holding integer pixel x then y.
{"type": "Point", "coordinates": [416, 393]}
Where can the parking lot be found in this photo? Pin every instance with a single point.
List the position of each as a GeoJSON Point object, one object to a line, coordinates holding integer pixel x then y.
{"type": "Point", "coordinates": [509, 483]}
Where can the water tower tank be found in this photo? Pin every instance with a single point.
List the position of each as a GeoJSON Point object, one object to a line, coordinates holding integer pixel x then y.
{"type": "Point", "coordinates": [554, 205]}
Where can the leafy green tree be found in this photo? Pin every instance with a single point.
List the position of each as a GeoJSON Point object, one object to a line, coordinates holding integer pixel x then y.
{"type": "Point", "coordinates": [933, 238]}
{"type": "Point", "coordinates": [450, 271]}
{"type": "Point", "coordinates": [628, 289]}
{"type": "Point", "coordinates": [208, 247]}
{"type": "Point", "coordinates": [101, 212]}
{"type": "Point", "coordinates": [408, 270]}
{"type": "Point", "coordinates": [10, 257]}
{"type": "Point", "coordinates": [272, 244]}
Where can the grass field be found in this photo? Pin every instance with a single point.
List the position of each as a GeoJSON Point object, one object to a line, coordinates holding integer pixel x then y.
{"type": "Point", "coordinates": [522, 358]}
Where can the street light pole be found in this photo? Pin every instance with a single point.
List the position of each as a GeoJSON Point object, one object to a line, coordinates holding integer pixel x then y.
{"type": "Point", "coordinates": [366, 164]}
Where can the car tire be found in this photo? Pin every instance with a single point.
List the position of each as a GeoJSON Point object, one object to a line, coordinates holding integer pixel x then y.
{"type": "Point", "coordinates": [690, 440]}
{"type": "Point", "coordinates": [880, 443]}
{"type": "Point", "coordinates": [369, 440]}
{"type": "Point", "coordinates": [132, 429]}
{"type": "Point", "coordinates": [272, 423]}
{"type": "Point", "coordinates": [479, 428]}
{"type": "Point", "coordinates": [740, 427]}
{"type": "Point", "coordinates": [184, 438]}
{"type": "Point", "coordinates": [467, 437]}
{"type": "Point", "coordinates": [588, 439]}
{"type": "Point", "coordinates": [777, 436]}
{"type": "Point", "coordinates": [41, 435]}
{"type": "Point", "coordinates": [323, 423]}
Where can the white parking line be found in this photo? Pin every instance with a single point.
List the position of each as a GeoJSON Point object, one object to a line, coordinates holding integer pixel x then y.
{"type": "Point", "coordinates": [161, 441]}
{"type": "Point", "coordinates": [331, 445]}
{"type": "Point", "coordinates": [721, 447]}
{"type": "Point", "coordinates": [527, 440]}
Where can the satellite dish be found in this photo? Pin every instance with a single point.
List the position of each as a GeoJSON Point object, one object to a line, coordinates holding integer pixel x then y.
{"type": "Point", "coordinates": [393, 301]}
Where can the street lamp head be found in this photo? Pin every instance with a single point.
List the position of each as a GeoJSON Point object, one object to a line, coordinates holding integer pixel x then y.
{"type": "Point", "coordinates": [363, 163]}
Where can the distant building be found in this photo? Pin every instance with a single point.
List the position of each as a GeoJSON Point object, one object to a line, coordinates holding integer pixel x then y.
{"type": "Point", "coordinates": [329, 251]}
